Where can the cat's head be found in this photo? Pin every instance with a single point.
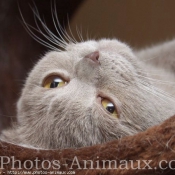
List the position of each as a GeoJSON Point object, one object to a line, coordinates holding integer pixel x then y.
{"type": "Point", "coordinates": [88, 94]}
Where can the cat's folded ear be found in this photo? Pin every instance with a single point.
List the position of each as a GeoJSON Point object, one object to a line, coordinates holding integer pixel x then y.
{"type": "Point", "coordinates": [160, 54]}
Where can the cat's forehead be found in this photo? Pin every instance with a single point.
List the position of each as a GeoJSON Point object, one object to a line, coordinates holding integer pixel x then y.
{"type": "Point", "coordinates": [81, 49]}
{"type": "Point", "coordinates": [108, 45]}
{"type": "Point", "coordinates": [75, 52]}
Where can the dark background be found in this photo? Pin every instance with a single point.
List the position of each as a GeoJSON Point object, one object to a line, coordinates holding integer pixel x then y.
{"type": "Point", "coordinates": [18, 51]}
{"type": "Point", "coordinates": [138, 22]}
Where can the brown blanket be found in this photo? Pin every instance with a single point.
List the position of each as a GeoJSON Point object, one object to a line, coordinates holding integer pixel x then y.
{"type": "Point", "coordinates": [147, 153]}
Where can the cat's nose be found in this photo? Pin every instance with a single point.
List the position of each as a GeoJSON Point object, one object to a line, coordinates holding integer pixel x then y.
{"type": "Point", "coordinates": [94, 56]}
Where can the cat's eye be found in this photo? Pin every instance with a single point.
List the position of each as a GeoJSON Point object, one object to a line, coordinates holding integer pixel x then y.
{"type": "Point", "coordinates": [54, 82]}
{"type": "Point", "coordinates": [109, 106]}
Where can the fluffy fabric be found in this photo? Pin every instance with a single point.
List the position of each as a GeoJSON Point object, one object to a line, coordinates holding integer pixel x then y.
{"type": "Point", "coordinates": [154, 149]}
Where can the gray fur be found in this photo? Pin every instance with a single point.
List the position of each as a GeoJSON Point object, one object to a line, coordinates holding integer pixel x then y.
{"type": "Point", "coordinates": [72, 116]}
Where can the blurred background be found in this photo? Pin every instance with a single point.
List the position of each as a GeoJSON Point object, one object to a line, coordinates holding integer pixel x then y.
{"type": "Point", "coordinates": [138, 23]}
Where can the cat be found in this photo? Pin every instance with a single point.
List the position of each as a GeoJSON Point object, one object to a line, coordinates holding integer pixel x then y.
{"type": "Point", "coordinates": [94, 92]}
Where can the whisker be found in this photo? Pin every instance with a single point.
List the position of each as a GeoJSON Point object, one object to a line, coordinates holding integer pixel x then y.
{"type": "Point", "coordinates": [52, 41]}
{"type": "Point", "coordinates": [79, 34]}
{"type": "Point", "coordinates": [48, 38]}
{"type": "Point", "coordinates": [87, 35]}
{"type": "Point", "coordinates": [57, 41]}
{"type": "Point", "coordinates": [62, 30]}
{"type": "Point", "coordinates": [75, 41]}
{"type": "Point", "coordinates": [36, 38]}
{"type": "Point", "coordinates": [32, 34]}
{"type": "Point", "coordinates": [156, 92]}
{"type": "Point", "coordinates": [153, 93]}
{"type": "Point", "coordinates": [156, 80]}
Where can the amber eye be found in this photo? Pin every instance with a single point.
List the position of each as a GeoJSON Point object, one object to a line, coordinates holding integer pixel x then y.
{"type": "Point", "coordinates": [109, 106]}
{"type": "Point", "coordinates": [54, 82]}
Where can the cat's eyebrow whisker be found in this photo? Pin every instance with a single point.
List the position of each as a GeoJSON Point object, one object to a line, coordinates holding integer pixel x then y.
{"type": "Point", "coordinates": [53, 38]}
{"type": "Point", "coordinates": [68, 23]}
{"type": "Point", "coordinates": [66, 35]}
{"type": "Point", "coordinates": [57, 42]}
{"type": "Point", "coordinates": [53, 19]}
{"type": "Point", "coordinates": [47, 37]}
{"type": "Point", "coordinates": [39, 40]}
{"type": "Point", "coordinates": [56, 22]}
{"type": "Point", "coordinates": [44, 43]}
{"type": "Point", "coordinates": [79, 34]}
{"type": "Point", "coordinates": [87, 35]}
{"type": "Point", "coordinates": [63, 31]}
{"type": "Point", "coordinates": [54, 41]}
{"type": "Point", "coordinates": [33, 35]}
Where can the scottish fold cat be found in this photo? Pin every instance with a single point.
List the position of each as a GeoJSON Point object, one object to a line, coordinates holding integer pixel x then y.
{"type": "Point", "coordinates": [94, 92]}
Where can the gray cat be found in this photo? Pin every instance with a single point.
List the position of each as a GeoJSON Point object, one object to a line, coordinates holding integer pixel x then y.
{"type": "Point", "coordinates": [94, 92]}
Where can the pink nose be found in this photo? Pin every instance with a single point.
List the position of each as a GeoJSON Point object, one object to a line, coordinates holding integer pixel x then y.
{"type": "Point", "coordinates": [94, 56]}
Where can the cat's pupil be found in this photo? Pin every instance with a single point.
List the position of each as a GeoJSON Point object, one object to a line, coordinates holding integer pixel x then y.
{"type": "Point", "coordinates": [55, 83]}
{"type": "Point", "coordinates": [110, 107]}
